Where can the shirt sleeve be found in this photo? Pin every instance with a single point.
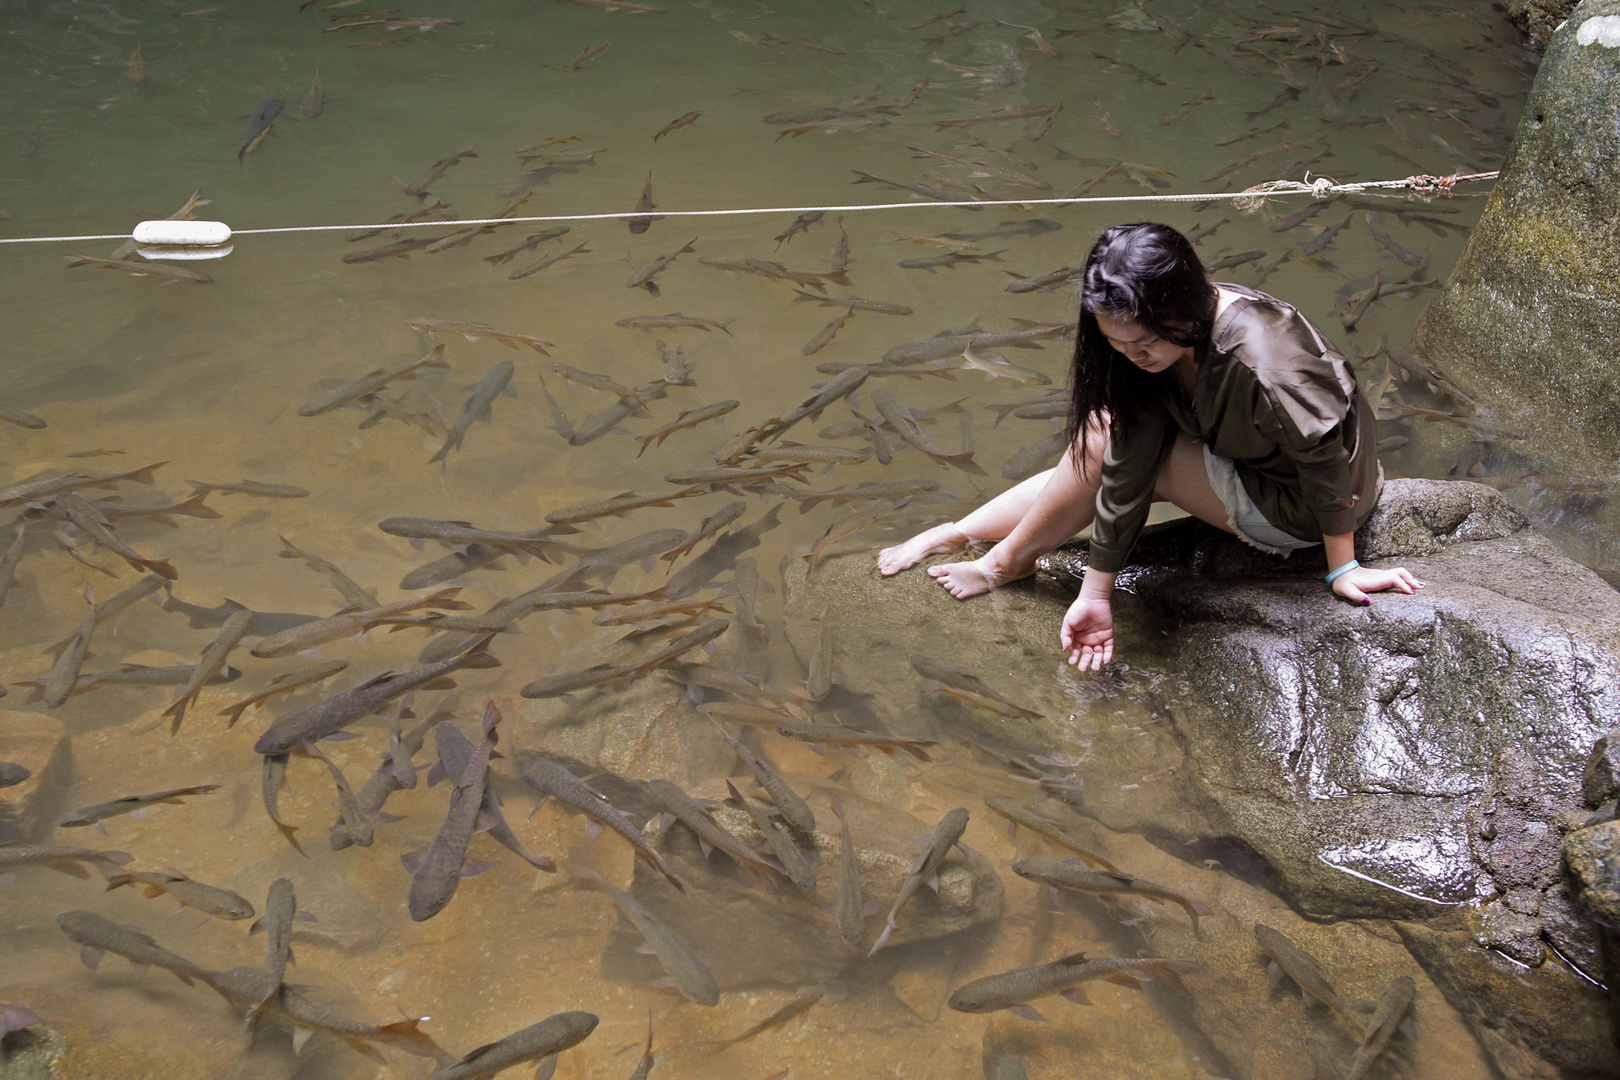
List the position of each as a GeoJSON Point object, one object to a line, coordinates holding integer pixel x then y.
{"type": "Point", "coordinates": [1130, 472]}
{"type": "Point", "coordinates": [1303, 409]}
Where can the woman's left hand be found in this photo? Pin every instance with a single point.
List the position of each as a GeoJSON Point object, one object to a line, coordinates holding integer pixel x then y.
{"type": "Point", "coordinates": [1355, 585]}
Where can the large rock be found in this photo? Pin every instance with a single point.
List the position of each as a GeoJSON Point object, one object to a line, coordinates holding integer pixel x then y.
{"type": "Point", "coordinates": [1538, 18]}
{"type": "Point", "coordinates": [29, 810]}
{"type": "Point", "coordinates": [1418, 759]}
{"type": "Point", "coordinates": [1529, 317]}
{"type": "Point", "coordinates": [1592, 856]}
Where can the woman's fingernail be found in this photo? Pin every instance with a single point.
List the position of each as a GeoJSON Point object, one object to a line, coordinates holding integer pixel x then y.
{"type": "Point", "coordinates": [1366, 599]}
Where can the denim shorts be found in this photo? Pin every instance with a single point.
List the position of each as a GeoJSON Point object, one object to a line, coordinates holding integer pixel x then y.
{"type": "Point", "coordinates": [1242, 515]}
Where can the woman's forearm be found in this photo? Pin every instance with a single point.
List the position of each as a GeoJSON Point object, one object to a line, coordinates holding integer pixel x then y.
{"type": "Point", "coordinates": [1339, 549]}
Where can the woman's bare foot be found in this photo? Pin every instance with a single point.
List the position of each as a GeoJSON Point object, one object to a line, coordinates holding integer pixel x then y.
{"type": "Point", "coordinates": [965, 579]}
{"type": "Point", "coordinates": [940, 540]}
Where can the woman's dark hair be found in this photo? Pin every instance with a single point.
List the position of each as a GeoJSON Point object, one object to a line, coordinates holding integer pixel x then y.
{"type": "Point", "coordinates": [1150, 275]}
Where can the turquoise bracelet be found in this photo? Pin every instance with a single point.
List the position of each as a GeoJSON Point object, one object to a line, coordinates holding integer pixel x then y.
{"type": "Point", "coordinates": [1341, 571]}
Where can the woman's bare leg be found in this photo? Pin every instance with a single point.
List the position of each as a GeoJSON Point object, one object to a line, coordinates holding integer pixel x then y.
{"type": "Point", "coordinates": [992, 521]}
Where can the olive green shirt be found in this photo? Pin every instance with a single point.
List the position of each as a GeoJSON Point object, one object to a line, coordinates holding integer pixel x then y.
{"type": "Point", "coordinates": [1274, 397]}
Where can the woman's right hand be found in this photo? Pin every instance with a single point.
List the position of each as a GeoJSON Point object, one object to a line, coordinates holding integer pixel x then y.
{"type": "Point", "coordinates": [1088, 632]}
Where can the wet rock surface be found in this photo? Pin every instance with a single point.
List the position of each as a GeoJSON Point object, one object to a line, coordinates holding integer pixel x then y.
{"type": "Point", "coordinates": [29, 810]}
{"type": "Point", "coordinates": [1527, 320]}
{"type": "Point", "coordinates": [1592, 858]}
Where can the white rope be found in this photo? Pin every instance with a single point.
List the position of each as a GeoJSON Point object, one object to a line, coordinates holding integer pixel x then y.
{"type": "Point", "coordinates": [1247, 200]}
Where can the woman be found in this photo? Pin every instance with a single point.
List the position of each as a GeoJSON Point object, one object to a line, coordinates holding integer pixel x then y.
{"type": "Point", "coordinates": [1217, 398]}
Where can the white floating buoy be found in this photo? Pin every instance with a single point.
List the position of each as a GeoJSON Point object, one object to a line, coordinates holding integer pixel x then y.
{"type": "Point", "coordinates": [181, 253]}
{"type": "Point", "coordinates": [182, 233]}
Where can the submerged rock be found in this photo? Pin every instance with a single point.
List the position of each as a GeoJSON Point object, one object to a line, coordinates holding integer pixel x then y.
{"type": "Point", "coordinates": [1528, 319]}
{"type": "Point", "coordinates": [1592, 856]}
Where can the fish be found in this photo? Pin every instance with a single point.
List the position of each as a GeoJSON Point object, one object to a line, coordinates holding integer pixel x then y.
{"type": "Point", "coordinates": [837, 531]}
{"type": "Point", "coordinates": [245, 988]}
{"type": "Point", "coordinates": [218, 902]}
{"type": "Point", "coordinates": [386, 779]}
{"type": "Point", "coordinates": [1360, 303]}
{"type": "Point", "coordinates": [643, 222]}
{"type": "Point", "coordinates": [809, 45]}
{"type": "Point", "coordinates": [530, 242]}
{"type": "Point", "coordinates": [534, 542]}
{"type": "Point", "coordinates": [213, 659]}
{"type": "Point", "coordinates": [454, 565]}
{"type": "Point", "coordinates": [835, 389]}
{"type": "Point", "coordinates": [798, 1005]}
{"type": "Point", "coordinates": [900, 419]}
{"type": "Point", "coordinates": [314, 102]}
{"type": "Point", "coordinates": [985, 169]}
{"type": "Point", "coordinates": [676, 124]}
{"type": "Point", "coordinates": [472, 331]}
{"type": "Point", "coordinates": [794, 810]}
{"type": "Point", "coordinates": [675, 320]}
{"type": "Point", "coordinates": [1038, 455]}
{"type": "Point", "coordinates": [677, 369]}
{"type": "Point", "coordinates": [604, 564]}
{"type": "Point", "coordinates": [93, 815]}
{"type": "Point", "coordinates": [563, 685]}
{"type": "Point", "coordinates": [902, 491]}
{"type": "Point", "coordinates": [617, 5]}
{"type": "Point", "coordinates": [1140, 73]}
{"type": "Point", "coordinates": [829, 127]}
{"type": "Point", "coordinates": [260, 121]}
{"type": "Point", "coordinates": [719, 556]}
{"type": "Point", "coordinates": [643, 276]}
{"type": "Point", "coordinates": [999, 116]}
{"type": "Point", "coordinates": [1388, 1017]}
{"type": "Point", "coordinates": [730, 476]}
{"type": "Point", "coordinates": [496, 381]}
{"type": "Point", "coordinates": [335, 713]}
{"type": "Point", "coordinates": [1288, 959]}
{"type": "Point", "coordinates": [30, 146]}
{"type": "Point", "coordinates": [455, 750]}
{"type": "Point", "coordinates": [795, 864]}
{"type": "Point", "coordinates": [1320, 242]}
{"type": "Point", "coordinates": [352, 593]}
{"type": "Point", "coordinates": [1013, 990]}
{"type": "Point", "coordinates": [712, 525]}
{"type": "Point", "coordinates": [682, 968]}
{"type": "Point", "coordinates": [1044, 282]}
{"type": "Point", "coordinates": [280, 911]}
{"type": "Point", "coordinates": [12, 774]}
{"type": "Point", "coordinates": [557, 1033]}
{"type": "Point", "coordinates": [1230, 261]}
{"type": "Point", "coordinates": [605, 420]}
{"type": "Point", "coordinates": [1009, 229]}
{"type": "Point", "coordinates": [1183, 109]}
{"type": "Point", "coordinates": [677, 805]}
{"type": "Point", "coordinates": [1064, 875]}
{"type": "Point", "coordinates": [850, 910]}
{"type": "Point", "coordinates": [370, 383]}
{"type": "Point", "coordinates": [838, 735]}
{"type": "Point", "coordinates": [687, 419]}
{"type": "Point", "coordinates": [21, 419]}
{"type": "Point", "coordinates": [143, 268]}
{"type": "Point", "coordinates": [733, 712]}
{"type": "Point", "coordinates": [588, 52]}
{"type": "Point", "coordinates": [437, 871]}
{"type": "Point", "coordinates": [703, 633]}
{"type": "Point", "coordinates": [98, 935]}
{"type": "Point", "coordinates": [717, 678]}
{"type": "Point", "coordinates": [319, 631]}
{"type": "Point", "coordinates": [418, 188]}
{"type": "Point", "coordinates": [397, 249]}
{"type": "Point", "coordinates": [1250, 133]}
{"type": "Point", "coordinates": [1288, 94]}
{"type": "Point", "coordinates": [60, 857]}
{"type": "Point", "coordinates": [788, 451]}
{"type": "Point", "coordinates": [556, 782]}
{"type": "Point", "coordinates": [1055, 831]}
{"type": "Point", "coordinates": [924, 190]}
{"type": "Point", "coordinates": [616, 506]}
{"type": "Point", "coordinates": [251, 487]}
{"type": "Point", "coordinates": [947, 834]}
{"type": "Point", "coordinates": [1389, 244]}
{"type": "Point", "coordinates": [64, 674]}
{"type": "Point", "coordinates": [89, 520]}
{"type": "Point", "coordinates": [827, 333]}
{"type": "Point", "coordinates": [1000, 366]}
{"type": "Point", "coordinates": [838, 260]}
{"type": "Point", "coordinates": [931, 262]}
{"type": "Point", "coordinates": [549, 260]}
{"type": "Point", "coordinates": [949, 345]}
{"type": "Point", "coordinates": [357, 827]}
{"type": "Point", "coordinates": [799, 224]}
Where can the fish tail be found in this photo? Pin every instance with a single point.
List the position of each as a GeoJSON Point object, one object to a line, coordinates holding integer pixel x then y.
{"type": "Point", "coordinates": [177, 714]}
{"type": "Point", "coordinates": [145, 476]}
{"type": "Point", "coordinates": [160, 567]}
{"type": "Point", "coordinates": [404, 1035]}
{"type": "Point", "coordinates": [883, 939]}
{"type": "Point", "coordinates": [234, 712]}
{"type": "Point", "coordinates": [1170, 972]}
{"type": "Point", "coordinates": [193, 507]}
{"type": "Point", "coordinates": [451, 442]}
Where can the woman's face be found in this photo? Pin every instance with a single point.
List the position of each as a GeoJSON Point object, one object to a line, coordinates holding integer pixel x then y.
{"type": "Point", "coordinates": [1140, 346]}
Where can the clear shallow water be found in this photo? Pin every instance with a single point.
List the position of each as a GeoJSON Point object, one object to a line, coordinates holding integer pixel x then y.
{"type": "Point", "coordinates": [209, 379]}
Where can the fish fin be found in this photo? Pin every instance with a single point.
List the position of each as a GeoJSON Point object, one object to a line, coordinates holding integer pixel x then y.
{"type": "Point", "coordinates": [306, 916]}
{"type": "Point", "coordinates": [1125, 979]}
{"type": "Point", "coordinates": [412, 861]}
{"type": "Point", "coordinates": [256, 926]}
{"type": "Point", "coordinates": [1075, 995]}
{"type": "Point", "coordinates": [1408, 1028]}
{"type": "Point", "coordinates": [436, 773]}
{"type": "Point", "coordinates": [933, 883]}
{"type": "Point", "coordinates": [90, 956]}
{"type": "Point", "coordinates": [485, 822]}
{"type": "Point", "coordinates": [592, 829]}
{"type": "Point", "coordinates": [1027, 1012]}
{"type": "Point", "coordinates": [547, 1068]}
{"type": "Point", "coordinates": [645, 949]}
{"type": "Point", "coordinates": [473, 867]}
{"type": "Point", "coordinates": [381, 819]}
{"type": "Point", "coordinates": [300, 1037]}
{"type": "Point", "coordinates": [139, 968]}
{"type": "Point", "coordinates": [883, 938]}
{"type": "Point", "coordinates": [1274, 972]}
{"type": "Point", "coordinates": [665, 983]}
{"type": "Point", "coordinates": [706, 847]}
{"type": "Point", "coordinates": [291, 959]}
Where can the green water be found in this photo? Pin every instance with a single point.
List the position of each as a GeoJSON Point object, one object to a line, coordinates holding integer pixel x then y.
{"type": "Point", "coordinates": [208, 378]}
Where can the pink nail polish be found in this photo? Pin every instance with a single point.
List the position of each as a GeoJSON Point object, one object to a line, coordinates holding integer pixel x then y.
{"type": "Point", "coordinates": [1366, 599]}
